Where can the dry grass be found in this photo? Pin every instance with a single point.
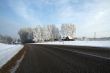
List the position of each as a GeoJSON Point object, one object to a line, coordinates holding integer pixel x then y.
{"type": "Point", "coordinates": [6, 68]}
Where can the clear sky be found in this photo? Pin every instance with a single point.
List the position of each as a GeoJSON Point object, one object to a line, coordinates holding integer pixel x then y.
{"type": "Point", "coordinates": [89, 16]}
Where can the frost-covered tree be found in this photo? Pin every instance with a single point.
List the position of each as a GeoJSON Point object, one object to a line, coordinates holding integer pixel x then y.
{"type": "Point", "coordinates": [67, 30]}
{"type": "Point", "coordinates": [45, 33]}
{"type": "Point", "coordinates": [53, 32]}
{"type": "Point", "coordinates": [38, 34]}
{"type": "Point", "coordinates": [26, 35]}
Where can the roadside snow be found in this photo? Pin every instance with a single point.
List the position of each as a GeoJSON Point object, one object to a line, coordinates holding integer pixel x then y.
{"type": "Point", "coordinates": [13, 70]}
{"type": "Point", "coordinates": [81, 43]}
{"type": "Point", "coordinates": [7, 52]}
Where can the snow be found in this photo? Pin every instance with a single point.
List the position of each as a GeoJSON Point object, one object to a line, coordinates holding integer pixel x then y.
{"type": "Point", "coordinates": [81, 43]}
{"type": "Point", "coordinates": [7, 52]}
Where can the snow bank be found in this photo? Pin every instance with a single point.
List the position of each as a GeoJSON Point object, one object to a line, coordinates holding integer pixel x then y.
{"type": "Point", "coordinates": [7, 52]}
{"type": "Point", "coordinates": [81, 43]}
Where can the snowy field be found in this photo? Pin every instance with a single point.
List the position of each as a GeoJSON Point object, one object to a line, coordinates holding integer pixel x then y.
{"type": "Point", "coordinates": [7, 52]}
{"type": "Point", "coordinates": [81, 43]}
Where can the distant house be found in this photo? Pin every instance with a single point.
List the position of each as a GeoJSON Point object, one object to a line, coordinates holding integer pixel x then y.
{"type": "Point", "coordinates": [68, 38]}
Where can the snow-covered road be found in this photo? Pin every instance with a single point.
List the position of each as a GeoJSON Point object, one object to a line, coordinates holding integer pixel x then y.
{"type": "Point", "coordinates": [7, 52]}
{"type": "Point", "coordinates": [81, 43]}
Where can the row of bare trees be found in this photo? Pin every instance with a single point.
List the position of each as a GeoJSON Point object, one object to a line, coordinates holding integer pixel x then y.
{"type": "Point", "coordinates": [6, 39]}
{"type": "Point", "coordinates": [46, 33]}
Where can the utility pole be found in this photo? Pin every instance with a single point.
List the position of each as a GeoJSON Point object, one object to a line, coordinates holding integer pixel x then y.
{"type": "Point", "coordinates": [94, 35]}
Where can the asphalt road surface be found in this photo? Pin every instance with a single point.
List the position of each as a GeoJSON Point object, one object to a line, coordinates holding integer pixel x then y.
{"type": "Point", "coordinates": [65, 59]}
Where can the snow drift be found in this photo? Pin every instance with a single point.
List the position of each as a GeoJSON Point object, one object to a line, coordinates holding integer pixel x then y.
{"type": "Point", "coordinates": [7, 52]}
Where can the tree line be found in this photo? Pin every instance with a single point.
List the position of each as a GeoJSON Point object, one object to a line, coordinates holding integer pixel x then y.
{"type": "Point", "coordinates": [46, 33]}
{"type": "Point", "coordinates": [6, 39]}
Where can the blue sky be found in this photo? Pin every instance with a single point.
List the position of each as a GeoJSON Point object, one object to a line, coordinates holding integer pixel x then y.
{"type": "Point", "coordinates": [89, 16]}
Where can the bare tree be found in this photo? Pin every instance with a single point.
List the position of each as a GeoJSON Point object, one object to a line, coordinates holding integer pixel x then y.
{"type": "Point", "coordinates": [26, 35]}
{"type": "Point", "coordinates": [6, 39]}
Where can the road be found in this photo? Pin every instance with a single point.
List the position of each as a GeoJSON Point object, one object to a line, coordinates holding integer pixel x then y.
{"type": "Point", "coordinates": [41, 58]}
